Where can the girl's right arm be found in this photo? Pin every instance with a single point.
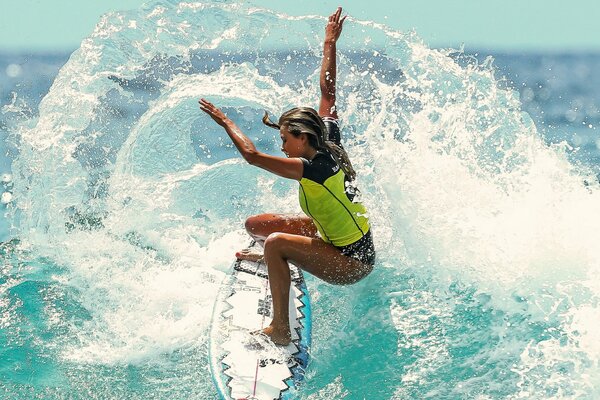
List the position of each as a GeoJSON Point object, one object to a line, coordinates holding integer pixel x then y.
{"type": "Point", "coordinates": [291, 168]}
{"type": "Point", "coordinates": [328, 67]}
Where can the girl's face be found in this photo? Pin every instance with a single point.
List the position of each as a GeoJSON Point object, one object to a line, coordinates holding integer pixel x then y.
{"type": "Point", "coordinates": [291, 145]}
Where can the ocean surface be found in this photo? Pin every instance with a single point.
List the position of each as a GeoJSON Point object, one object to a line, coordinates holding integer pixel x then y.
{"type": "Point", "coordinates": [123, 205]}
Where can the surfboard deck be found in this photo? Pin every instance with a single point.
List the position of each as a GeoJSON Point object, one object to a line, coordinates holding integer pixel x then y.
{"type": "Point", "coordinates": [246, 366]}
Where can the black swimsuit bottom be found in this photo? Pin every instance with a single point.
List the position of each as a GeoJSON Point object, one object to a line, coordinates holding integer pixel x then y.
{"type": "Point", "coordinates": [362, 250]}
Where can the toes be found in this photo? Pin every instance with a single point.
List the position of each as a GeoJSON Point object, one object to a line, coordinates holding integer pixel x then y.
{"type": "Point", "coordinates": [249, 255]}
{"type": "Point", "coordinates": [242, 253]}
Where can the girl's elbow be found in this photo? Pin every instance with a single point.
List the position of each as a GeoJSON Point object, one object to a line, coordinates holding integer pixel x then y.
{"type": "Point", "coordinates": [251, 157]}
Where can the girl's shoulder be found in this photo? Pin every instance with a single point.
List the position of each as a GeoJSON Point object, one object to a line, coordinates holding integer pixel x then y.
{"type": "Point", "coordinates": [320, 168]}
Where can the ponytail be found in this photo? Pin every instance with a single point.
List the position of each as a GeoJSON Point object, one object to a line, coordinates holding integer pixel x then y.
{"type": "Point", "coordinates": [341, 158]}
{"type": "Point", "coordinates": [267, 121]}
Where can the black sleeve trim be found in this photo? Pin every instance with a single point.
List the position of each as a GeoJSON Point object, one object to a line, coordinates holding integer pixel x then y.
{"type": "Point", "coordinates": [320, 168]}
{"type": "Point", "coordinates": [333, 130]}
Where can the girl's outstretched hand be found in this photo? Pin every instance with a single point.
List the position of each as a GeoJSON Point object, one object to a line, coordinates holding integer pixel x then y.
{"type": "Point", "coordinates": [217, 115]}
{"type": "Point", "coordinates": [334, 26]}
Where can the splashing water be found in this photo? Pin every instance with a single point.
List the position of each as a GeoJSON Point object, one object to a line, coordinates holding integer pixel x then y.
{"type": "Point", "coordinates": [130, 204]}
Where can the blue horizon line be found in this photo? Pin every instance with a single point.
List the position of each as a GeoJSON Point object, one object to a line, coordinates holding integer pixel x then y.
{"type": "Point", "coordinates": [479, 50]}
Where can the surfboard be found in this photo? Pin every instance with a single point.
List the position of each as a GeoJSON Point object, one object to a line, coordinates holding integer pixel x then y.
{"type": "Point", "coordinates": [246, 366]}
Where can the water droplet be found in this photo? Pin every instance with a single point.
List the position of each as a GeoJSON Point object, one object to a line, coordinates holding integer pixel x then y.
{"type": "Point", "coordinates": [14, 70]}
{"type": "Point", "coordinates": [6, 197]}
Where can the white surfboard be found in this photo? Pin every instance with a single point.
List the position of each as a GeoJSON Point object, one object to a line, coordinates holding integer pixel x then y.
{"type": "Point", "coordinates": [246, 366]}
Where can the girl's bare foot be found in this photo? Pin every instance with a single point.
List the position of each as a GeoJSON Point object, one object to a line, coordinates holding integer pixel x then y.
{"type": "Point", "coordinates": [250, 255]}
{"type": "Point", "coordinates": [281, 337]}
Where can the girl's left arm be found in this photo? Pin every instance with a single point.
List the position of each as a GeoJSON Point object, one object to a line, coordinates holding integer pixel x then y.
{"type": "Point", "coordinates": [291, 168]}
{"type": "Point", "coordinates": [327, 78]}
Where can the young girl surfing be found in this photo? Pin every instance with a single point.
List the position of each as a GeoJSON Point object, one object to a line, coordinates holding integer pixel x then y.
{"type": "Point", "coordinates": [333, 241]}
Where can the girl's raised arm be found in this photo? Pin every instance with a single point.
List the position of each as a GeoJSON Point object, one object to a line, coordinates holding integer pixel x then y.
{"type": "Point", "coordinates": [328, 67]}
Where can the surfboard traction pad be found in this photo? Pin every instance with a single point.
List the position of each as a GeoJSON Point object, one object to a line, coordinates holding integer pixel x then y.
{"type": "Point", "coordinates": [251, 365]}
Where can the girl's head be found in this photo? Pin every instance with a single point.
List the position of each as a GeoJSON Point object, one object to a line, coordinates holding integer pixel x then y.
{"type": "Point", "coordinates": [299, 121]}
{"type": "Point", "coordinates": [305, 121]}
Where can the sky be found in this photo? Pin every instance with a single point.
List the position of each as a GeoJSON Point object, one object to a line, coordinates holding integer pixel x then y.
{"type": "Point", "coordinates": [507, 25]}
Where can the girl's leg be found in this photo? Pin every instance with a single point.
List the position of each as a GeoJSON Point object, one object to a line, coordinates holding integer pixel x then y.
{"type": "Point", "coordinates": [262, 225]}
{"type": "Point", "coordinates": [312, 255]}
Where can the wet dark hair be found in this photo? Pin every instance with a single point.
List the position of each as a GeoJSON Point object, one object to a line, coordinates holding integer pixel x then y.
{"type": "Point", "coordinates": [306, 120]}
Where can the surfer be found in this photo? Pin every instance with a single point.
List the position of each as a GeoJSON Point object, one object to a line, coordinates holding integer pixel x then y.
{"type": "Point", "coordinates": [333, 241]}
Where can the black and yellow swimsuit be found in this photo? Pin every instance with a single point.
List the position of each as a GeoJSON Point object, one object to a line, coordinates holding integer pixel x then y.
{"type": "Point", "coordinates": [329, 198]}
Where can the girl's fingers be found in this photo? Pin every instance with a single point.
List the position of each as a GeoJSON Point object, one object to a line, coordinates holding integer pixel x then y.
{"type": "Point", "coordinates": [205, 108]}
{"type": "Point", "coordinates": [343, 19]}
{"type": "Point", "coordinates": [211, 110]}
{"type": "Point", "coordinates": [208, 107]}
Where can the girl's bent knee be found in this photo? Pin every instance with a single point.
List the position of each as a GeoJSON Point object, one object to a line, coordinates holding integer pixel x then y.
{"type": "Point", "coordinates": [274, 240]}
{"type": "Point", "coordinates": [250, 223]}
{"type": "Point", "coordinates": [253, 223]}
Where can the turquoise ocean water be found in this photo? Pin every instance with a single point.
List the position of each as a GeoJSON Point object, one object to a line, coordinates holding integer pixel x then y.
{"type": "Point", "coordinates": [125, 205]}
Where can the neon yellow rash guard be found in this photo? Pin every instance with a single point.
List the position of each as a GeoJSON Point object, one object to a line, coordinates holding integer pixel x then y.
{"type": "Point", "coordinates": [326, 196]}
